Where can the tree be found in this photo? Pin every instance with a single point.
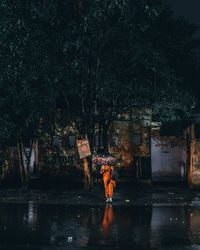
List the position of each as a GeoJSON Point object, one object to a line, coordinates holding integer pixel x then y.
{"type": "Point", "coordinates": [119, 56]}
{"type": "Point", "coordinates": [98, 57]}
{"type": "Point", "coordinates": [27, 79]}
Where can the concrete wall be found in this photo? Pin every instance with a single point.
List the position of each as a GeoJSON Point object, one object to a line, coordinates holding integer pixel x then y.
{"type": "Point", "coordinates": [168, 157]}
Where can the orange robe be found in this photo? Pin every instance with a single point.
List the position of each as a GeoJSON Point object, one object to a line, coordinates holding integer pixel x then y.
{"type": "Point", "coordinates": [109, 184]}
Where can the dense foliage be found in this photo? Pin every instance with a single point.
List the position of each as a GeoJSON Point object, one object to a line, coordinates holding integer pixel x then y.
{"type": "Point", "coordinates": [93, 58]}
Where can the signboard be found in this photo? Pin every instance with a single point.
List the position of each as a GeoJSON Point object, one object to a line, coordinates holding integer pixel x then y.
{"type": "Point", "coordinates": [83, 148]}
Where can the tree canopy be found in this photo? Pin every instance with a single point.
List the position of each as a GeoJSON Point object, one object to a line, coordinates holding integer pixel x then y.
{"type": "Point", "coordinates": [97, 57]}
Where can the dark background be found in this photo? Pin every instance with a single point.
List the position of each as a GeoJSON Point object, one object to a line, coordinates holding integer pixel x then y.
{"type": "Point", "coordinates": [190, 9]}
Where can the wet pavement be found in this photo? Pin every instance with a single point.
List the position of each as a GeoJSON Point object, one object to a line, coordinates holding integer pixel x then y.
{"type": "Point", "coordinates": [135, 196]}
{"type": "Point", "coordinates": [139, 218]}
{"type": "Point", "coordinates": [40, 226]}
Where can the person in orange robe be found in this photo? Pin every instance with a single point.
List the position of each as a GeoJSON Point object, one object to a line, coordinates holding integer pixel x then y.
{"type": "Point", "coordinates": [109, 183]}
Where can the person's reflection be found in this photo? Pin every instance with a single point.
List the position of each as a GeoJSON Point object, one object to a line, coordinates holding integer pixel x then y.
{"type": "Point", "coordinates": [108, 221]}
{"type": "Point", "coordinates": [32, 214]}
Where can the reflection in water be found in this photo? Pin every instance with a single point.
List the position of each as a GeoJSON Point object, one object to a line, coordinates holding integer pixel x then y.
{"type": "Point", "coordinates": [110, 227]}
{"type": "Point", "coordinates": [106, 238]}
{"type": "Point", "coordinates": [32, 214]}
{"type": "Point", "coordinates": [83, 234]}
{"type": "Point", "coordinates": [169, 224]}
{"type": "Point", "coordinates": [108, 221]}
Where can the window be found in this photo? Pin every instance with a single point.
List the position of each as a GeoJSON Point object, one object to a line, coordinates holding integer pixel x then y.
{"type": "Point", "coordinates": [98, 141]}
{"type": "Point", "coordinates": [71, 140]}
{"type": "Point", "coordinates": [114, 140]}
{"type": "Point", "coordinates": [137, 140]}
{"type": "Point", "coordinates": [55, 141]}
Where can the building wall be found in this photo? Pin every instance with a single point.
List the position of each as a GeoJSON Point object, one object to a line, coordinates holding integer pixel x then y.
{"type": "Point", "coordinates": [57, 151]}
{"type": "Point", "coordinates": [180, 157]}
{"type": "Point", "coordinates": [193, 155]}
{"type": "Point", "coordinates": [128, 128]}
{"type": "Point", "coordinates": [168, 157]}
{"type": "Point", "coordinates": [126, 150]}
{"type": "Point", "coordinates": [133, 149]}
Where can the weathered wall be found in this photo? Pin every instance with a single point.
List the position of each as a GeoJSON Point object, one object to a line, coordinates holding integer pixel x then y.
{"type": "Point", "coordinates": [184, 155]}
{"type": "Point", "coordinates": [134, 153]}
{"type": "Point", "coordinates": [168, 157]}
{"type": "Point", "coordinates": [57, 152]}
{"type": "Point", "coordinates": [64, 159]}
{"type": "Point", "coordinates": [126, 150]}
{"type": "Point", "coordinates": [194, 156]}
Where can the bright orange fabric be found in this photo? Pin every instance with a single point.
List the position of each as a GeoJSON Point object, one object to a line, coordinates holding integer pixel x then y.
{"type": "Point", "coordinates": [107, 172]}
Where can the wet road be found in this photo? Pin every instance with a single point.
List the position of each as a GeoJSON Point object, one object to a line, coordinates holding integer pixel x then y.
{"type": "Point", "coordinates": [36, 227]}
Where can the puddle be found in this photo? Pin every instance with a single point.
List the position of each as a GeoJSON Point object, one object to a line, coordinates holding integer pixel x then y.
{"type": "Point", "coordinates": [36, 226]}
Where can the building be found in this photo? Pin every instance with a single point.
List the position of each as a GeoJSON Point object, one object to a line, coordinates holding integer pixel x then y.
{"type": "Point", "coordinates": [145, 151]}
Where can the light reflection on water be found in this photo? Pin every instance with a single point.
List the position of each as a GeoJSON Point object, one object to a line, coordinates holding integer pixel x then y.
{"type": "Point", "coordinates": [100, 227]}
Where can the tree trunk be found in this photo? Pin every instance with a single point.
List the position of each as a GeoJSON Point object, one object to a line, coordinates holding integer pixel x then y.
{"type": "Point", "coordinates": [90, 158]}
{"type": "Point", "coordinates": [26, 167]}
{"type": "Point", "coordinates": [36, 164]}
{"type": "Point", "coordinates": [24, 170]}
{"type": "Point", "coordinates": [20, 160]}
{"type": "Point", "coordinates": [105, 138]}
{"type": "Point", "coordinates": [87, 163]}
{"type": "Point", "coordinates": [87, 174]}
{"type": "Point", "coordinates": [28, 160]}
{"type": "Point", "coordinates": [99, 138]}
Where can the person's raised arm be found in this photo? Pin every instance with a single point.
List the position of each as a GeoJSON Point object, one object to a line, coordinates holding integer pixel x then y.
{"type": "Point", "coordinates": [102, 170]}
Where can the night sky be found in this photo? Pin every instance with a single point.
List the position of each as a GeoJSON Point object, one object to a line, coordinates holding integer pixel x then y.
{"type": "Point", "coordinates": [190, 9]}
